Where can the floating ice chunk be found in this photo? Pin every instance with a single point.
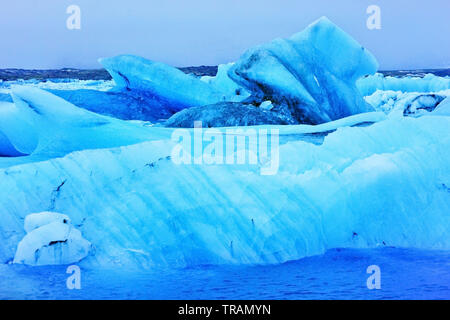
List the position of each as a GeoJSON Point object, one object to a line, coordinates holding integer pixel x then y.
{"type": "Point", "coordinates": [423, 104]}
{"type": "Point", "coordinates": [429, 83]}
{"type": "Point", "coordinates": [37, 220]}
{"type": "Point", "coordinates": [266, 105]}
{"type": "Point", "coordinates": [410, 103]}
{"type": "Point", "coordinates": [17, 134]}
{"type": "Point", "coordinates": [313, 73]}
{"type": "Point", "coordinates": [51, 240]}
{"type": "Point", "coordinates": [178, 89]}
{"type": "Point", "coordinates": [47, 124]}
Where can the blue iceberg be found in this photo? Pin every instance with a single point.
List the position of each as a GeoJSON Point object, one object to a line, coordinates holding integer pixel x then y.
{"type": "Point", "coordinates": [312, 75]}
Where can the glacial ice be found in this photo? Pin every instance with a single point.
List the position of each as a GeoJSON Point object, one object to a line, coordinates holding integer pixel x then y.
{"type": "Point", "coordinates": [430, 83]}
{"type": "Point", "coordinates": [223, 83]}
{"type": "Point", "coordinates": [37, 220]}
{"type": "Point", "coordinates": [382, 185]}
{"type": "Point", "coordinates": [50, 240]}
{"type": "Point", "coordinates": [374, 179]}
{"type": "Point", "coordinates": [177, 89]}
{"type": "Point", "coordinates": [42, 123]}
{"type": "Point", "coordinates": [225, 114]}
{"type": "Point", "coordinates": [410, 103]}
{"type": "Point", "coordinates": [125, 105]}
{"type": "Point", "coordinates": [443, 109]}
{"type": "Point", "coordinates": [312, 74]}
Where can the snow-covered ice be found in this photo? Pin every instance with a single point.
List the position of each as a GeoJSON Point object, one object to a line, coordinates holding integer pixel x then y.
{"type": "Point", "coordinates": [410, 103]}
{"type": "Point", "coordinates": [50, 240]}
{"type": "Point", "coordinates": [429, 83]}
{"type": "Point", "coordinates": [37, 220]}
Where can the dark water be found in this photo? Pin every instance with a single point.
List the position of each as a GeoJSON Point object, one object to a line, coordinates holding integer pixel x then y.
{"type": "Point", "coordinates": [80, 74]}
{"type": "Point", "coordinates": [339, 274]}
{"type": "Point", "coordinates": [102, 74]}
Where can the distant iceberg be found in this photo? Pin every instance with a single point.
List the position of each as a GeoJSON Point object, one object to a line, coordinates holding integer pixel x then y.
{"type": "Point", "coordinates": [410, 103]}
{"type": "Point", "coordinates": [429, 83]}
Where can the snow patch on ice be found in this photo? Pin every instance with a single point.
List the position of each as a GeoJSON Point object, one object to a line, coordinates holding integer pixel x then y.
{"type": "Point", "coordinates": [50, 240]}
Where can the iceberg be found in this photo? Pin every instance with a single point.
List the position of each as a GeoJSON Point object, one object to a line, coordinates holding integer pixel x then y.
{"type": "Point", "coordinates": [429, 83]}
{"type": "Point", "coordinates": [312, 75]}
{"type": "Point", "coordinates": [410, 103]}
{"type": "Point", "coordinates": [41, 123]}
{"type": "Point", "coordinates": [177, 89]}
{"type": "Point", "coordinates": [363, 187]}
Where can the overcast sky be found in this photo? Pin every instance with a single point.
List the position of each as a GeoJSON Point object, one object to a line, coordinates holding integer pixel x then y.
{"type": "Point", "coordinates": [414, 33]}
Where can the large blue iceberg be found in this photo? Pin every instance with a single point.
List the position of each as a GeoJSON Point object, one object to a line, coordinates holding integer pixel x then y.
{"type": "Point", "coordinates": [365, 187]}
{"type": "Point", "coordinates": [311, 75]}
{"type": "Point", "coordinates": [309, 78]}
{"type": "Point", "coordinates": [350, 178]}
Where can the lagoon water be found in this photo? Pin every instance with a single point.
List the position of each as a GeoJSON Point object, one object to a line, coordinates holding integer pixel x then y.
{"type": "Point", "coordinates": [339, 274]}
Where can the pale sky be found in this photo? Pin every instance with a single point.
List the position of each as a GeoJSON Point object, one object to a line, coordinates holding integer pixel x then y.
{"type": "Point", "coordinates": [414, 33]}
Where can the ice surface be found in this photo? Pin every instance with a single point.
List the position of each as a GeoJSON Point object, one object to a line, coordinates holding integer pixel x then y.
{"type": "Point", "coordinates": [443, 109]}
{"type": "Point", "coordinates": [42, 123]}
{"type": "Point", "coordinates": [37, 220]}
{"type": "Point", "coordinates": [223, 83]}
{"type": "Point", "coordinates": [312, 74]}
{"type": "Point", "coordinates": [429, 83]}
{"type": "Point", "coordinates": [170, 84]}
{"type": "Point", "coordinates": [381, 185]}
{"type": "Point", "coordinates": [225, 114]}
{"type": "Point", "coordinates": [50, 240]}
{"type": "Point", "coordinates": [17, 136]}
{"type": "Point", "coordinates": [410, 103]}
{"type": "Point", "coordinates": [125, 105]}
